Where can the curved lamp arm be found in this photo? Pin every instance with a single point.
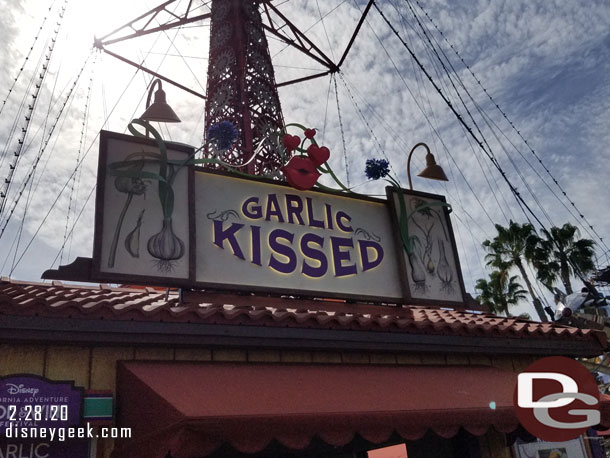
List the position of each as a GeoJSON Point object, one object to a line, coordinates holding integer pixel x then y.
{"type": "Point", "coordinates": [409, 161]}
{"type": "Point", "coordinates": [150, 90]}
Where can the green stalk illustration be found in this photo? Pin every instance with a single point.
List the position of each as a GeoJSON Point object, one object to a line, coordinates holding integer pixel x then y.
{"type": "Point", "coordinates": [165, 245]}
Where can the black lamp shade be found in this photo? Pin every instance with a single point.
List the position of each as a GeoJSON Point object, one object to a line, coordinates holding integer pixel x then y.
{"type": "Point", "coordinates": [159, 110]}
{"type": "Point", "coordinates": [433, 170]}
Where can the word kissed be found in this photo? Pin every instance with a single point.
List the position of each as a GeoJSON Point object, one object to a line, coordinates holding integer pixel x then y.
{"type": "Point", "coordinates": [290, 250]}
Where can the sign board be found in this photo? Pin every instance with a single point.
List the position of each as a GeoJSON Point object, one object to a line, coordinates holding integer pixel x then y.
{"type": "Point", "coordinates": [37, 404]}
{"type": "Point", "coordinates": [203, 229]}
{"type": "Point", "coordinates": [432, 269]}
{"type": "Point", "coordinates": [133, 238]}
{"type": "Point", "coordinates": [74, 448]}
{"type": "Point", "coordinates": [33, 401]}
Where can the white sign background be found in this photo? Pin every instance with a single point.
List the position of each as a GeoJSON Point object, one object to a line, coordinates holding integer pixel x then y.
{"type": "Point", "coordinates": [215, 194]}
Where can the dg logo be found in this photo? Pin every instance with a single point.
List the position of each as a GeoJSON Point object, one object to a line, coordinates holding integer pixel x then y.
{"type": "Point", "coordinates": [556, 399]}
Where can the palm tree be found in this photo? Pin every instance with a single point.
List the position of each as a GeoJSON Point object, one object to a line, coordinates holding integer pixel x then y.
{"type": "Point", "coordinates": [561, 254]}
{"type": "Point", "coordinates": [508, 250]}
{"type": "Point", "coordinates": [500, 292]}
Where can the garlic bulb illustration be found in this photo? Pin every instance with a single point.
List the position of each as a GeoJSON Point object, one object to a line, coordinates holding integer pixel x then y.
{"type": "Point", "coordinates": [132, 241]}
{"type": "Point", "coordinates": [166, 246]}
{"type": "Point", "coordinates": [418, 275]}
{"type": "Point", "coordinates": [444, 270]}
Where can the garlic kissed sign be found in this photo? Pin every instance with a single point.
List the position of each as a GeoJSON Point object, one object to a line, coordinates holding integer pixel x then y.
{"type": "Point", "coordinates": [257, 235]}
{"type": "Point", "coordinates": [163, 220]}
{"type": "Point", "coordinates": [197, 228]}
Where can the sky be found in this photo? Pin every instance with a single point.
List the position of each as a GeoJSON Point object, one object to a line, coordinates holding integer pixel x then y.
{"type": "Point", "coordinates": [545, 64]}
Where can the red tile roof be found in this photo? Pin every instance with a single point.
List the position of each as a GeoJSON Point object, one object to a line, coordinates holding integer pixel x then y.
{"type": "Point", "coordinates": [136, 304]}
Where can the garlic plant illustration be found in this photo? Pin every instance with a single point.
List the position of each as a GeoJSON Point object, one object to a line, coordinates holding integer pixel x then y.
{"type": "Point", "coordinates": [418, 275]}
{"type": "Point", "coordinates": [444, 270]}
{"type": "Point", "coordinates": [423, 216]}
{"type": "Point", "coordinates": [165, 245]}
{"type": "Point", "coordinates": [132, 241]}
{"type": "Point", "coordinates": [425, 226]}
{"type": "Point", "coordinates": [132, 186]}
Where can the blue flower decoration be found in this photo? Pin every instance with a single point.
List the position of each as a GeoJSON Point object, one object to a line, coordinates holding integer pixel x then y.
{"type": "Point", "coordinates": [223, 134]}
{"type": "Point", "coordinates": [376, 168]}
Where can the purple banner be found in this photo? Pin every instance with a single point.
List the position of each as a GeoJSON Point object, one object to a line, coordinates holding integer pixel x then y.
{"type": "Point", "coordinates": [29, 401]}
{"type": "Point", "coordinates": [41, 449]}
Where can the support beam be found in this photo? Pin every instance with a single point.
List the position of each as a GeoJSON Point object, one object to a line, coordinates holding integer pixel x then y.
{"type": "Point", "coordinates": [153, 73]}
{"type": "Point", "coordinates": [302, 38]}
{"type": "Point", "coordinates": [305, 78]}
{"type": "Point", "coordinates": [356, 31]}
{"type": "Point", "coordinates": [160, 28]}
{"type": "Point", "coordinates": [135, 28]}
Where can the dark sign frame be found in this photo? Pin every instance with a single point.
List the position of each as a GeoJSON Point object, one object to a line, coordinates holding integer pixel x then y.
{"type": "Point", "coordinates": [96, 273]}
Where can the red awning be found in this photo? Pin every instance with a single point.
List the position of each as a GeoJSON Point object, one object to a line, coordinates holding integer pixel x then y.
{"type": "Point", "coordinates": [193, 408]}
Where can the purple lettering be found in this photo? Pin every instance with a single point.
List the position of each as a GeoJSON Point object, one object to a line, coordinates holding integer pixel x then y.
{"type": "Point", "coordinates": [364, 246]}
{"type": "Point", "coordinates": [294, 207]}
{"type": "Point", "coordinates": [329, 216]}
{"type": "Point", "coordinates": [252, 212]}
{"type": "Point", "coordinates": [315, 254]}
{"type": "Point", "coordinates": [255, 233]}
{"type": "Point", "coordinates": [220, 235]}
{"type": "Point", "coordinates": [341, 215]}
{"type": "Point", "coordinates": [313, 222]}
{"type": "Point", "coordinates": [291, 264]}
{"type": "Point", "coordinates": [273, 209]}
{"type": "Point", "coordinates": [339, 256]}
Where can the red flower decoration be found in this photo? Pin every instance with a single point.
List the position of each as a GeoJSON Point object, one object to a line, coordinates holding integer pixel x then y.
{"type": "Point", "coordinates": [301, 173]}
{"type": "Point", "coordinates": [310, 133]}
{"type": "Point", "coordinates": [291, 142]}
{"type": "Point", "coordinates": [318, 154]}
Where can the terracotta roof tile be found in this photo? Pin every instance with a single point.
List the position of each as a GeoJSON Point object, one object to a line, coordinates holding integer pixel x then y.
{"type": "Point", "coordinates": [103, 302]}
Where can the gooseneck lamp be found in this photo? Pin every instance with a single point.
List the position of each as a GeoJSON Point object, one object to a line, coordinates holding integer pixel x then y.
{"type": "Point", "coordinates": [159, 110]}
{"type": "Point", "coordinates": [432, 170]}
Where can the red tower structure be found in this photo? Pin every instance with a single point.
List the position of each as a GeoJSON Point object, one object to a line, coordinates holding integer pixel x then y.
{"type": "Point", "coordinates": [241, 85]}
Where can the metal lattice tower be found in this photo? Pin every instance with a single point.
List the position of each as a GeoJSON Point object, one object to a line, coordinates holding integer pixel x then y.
{"type": "Point", "coordinates": [241, 84]}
